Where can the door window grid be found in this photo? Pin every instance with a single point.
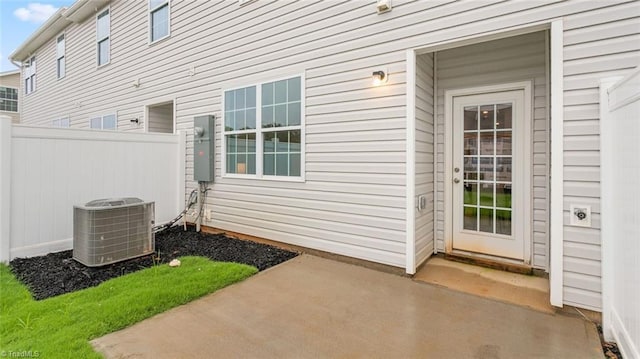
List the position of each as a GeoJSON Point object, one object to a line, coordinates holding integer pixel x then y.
{"type": "Point", "coordinates": [487, 194]}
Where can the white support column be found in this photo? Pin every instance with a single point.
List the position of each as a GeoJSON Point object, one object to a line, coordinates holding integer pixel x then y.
{"type": "Point", "coordinates": [410, 157]}
{"type": "Point", "coordinates": [5, 188]}
{"type": "Point", "coordinates": [556, 270]}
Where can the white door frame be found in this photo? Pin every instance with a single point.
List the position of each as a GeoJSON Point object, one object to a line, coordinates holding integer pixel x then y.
{"type": "Point", "coordinates": [556, 30]}
{"type": "Point", "coordinates": [526, 211]}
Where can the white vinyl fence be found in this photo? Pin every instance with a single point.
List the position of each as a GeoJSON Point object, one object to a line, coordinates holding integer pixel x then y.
{"type": "Point", "coordinates": [44, 172]}
{"type": "Point", "coordinates": [620, 186]}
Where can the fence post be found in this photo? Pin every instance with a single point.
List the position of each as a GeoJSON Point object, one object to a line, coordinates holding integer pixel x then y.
{"type": "Point", "coordinates": [5, 188]}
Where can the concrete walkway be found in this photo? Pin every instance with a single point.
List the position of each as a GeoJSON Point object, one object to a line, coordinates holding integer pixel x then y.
{"type": "Point", "coordinates": [311, 307]}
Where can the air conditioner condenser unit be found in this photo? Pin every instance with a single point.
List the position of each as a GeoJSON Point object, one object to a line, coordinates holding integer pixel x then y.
{"type": "Point", "coordinates": [107, 231]}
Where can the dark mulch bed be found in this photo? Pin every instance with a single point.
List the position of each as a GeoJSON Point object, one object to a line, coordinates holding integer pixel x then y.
{"type": "Point", "coordinates": [57, 273]}
{"type": "Point", "coordinates": [610, 350]}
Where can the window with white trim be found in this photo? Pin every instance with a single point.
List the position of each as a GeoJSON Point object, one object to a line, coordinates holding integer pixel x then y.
{"type": "Point", "coordinates": [158, 19]}
{"type": "Point", "coordinates": [263, 129]}
{"type": "Point", "coordinates": [106, 122]}
{"type": "Point", "coordinates": [61, 122]}
{"type": "Point", "coordinates": [103, 37]}
{"type": "Point", "coordinates": [30, 75]}
{"type": "Point", "coordinates": [60, 58]}
{"type": "Point", "coordinates": [8, 99]}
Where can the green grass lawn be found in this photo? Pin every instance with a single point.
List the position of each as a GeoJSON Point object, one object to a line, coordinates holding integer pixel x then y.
{"type": "Point", "coordinates": [61, 327]}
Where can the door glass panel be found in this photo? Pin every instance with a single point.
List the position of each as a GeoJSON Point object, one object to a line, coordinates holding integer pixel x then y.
{"type": "Point", "coordinates": [503, 195]}
{"type": "Point", "coordinates": [503, 116]}
{"type": "Point", "coordinates": [471, 118]}
{"type": "Point", "coordinates": [470, 218]}
{"type": "Point", "coordinates": [471, 168]}
{"type": "Point", "coordinates": [470, 193]}
{"type": "Point", "coordinates": [487, 164]}
{"type": "Point", "coordinates": [486, 169]}
{"type": "Point", "coordinates": [503, 143]}
{"type": "Point", "coordinates": [503, 222]}
{"type": "Point", "coordinates": [487, 117]}
{"type": "Point", "coordinates": [486, 220]}
{"type": "Point", "coordinates": [503, 169]}
{"type": "Point", "coordinates": [486, 143]}
{"type": "Point", "coordinates": [471, 143]}
{"type": "Point", "coordinates": [486, 194]}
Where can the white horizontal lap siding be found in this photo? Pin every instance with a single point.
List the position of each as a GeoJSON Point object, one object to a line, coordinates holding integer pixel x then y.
{"type": "Point", "coordinates": [424, 241]}
{"type": "Point", "coordinates": [355, 150]}
{"type": "Point", "coordinates": [597, 44]}
{"type": "Point", "coordinates": [520, 58]}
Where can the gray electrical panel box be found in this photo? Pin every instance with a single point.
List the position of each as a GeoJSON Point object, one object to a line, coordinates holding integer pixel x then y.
{"type": "Point", "coordinates": [203, 145]}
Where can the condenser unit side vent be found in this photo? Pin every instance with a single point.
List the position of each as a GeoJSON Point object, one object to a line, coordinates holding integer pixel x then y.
{"type": "Point", "coordinates": [107, 231]}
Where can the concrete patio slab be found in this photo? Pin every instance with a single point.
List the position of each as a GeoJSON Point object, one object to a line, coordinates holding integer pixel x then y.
{"type": "Point", "coordinates": [311, 307]}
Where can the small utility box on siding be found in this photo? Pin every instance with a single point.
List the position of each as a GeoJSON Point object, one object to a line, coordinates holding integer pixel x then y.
{"type": "Point", "coordinates": [203, 146]}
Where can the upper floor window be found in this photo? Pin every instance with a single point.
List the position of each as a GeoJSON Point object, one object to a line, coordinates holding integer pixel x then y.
{"type": "Point", "coordinates": [60, 59]}
{"type": "Point", "coordinates": [263, 129]}
{"type": "Point", "coordinates": [61, 122]}
{"type": "Point", "coordinates": [103, 35]}
{"type": "Point", "coordinates": [8, 99]}
{"type": "Point", "coordinates": [106, 122]}
{"type": "Point", "coordinates": [30, 75]}
{"type": "Point", "coordinates": [159, 19]}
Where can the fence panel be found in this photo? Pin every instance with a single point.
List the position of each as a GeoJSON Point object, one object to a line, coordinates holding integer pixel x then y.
{"type": "Point", "coordinates": [52, 169]}
{"type": "Point", "coordinates": [620, 151]}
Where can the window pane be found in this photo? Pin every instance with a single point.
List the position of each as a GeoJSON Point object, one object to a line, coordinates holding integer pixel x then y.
{"type": "Point", "coordinates": [96, 122]}
{"type": "Point", "coordinates": [280, 118]}
{"type": "Point", "coordinates": [155, 3]}
{"type": "Point", "coordinates": [109, 122]}
{"type": "Point", "coordinates": [103, 25]}
{"type": "Point", "coordinates": [294, 89]}
{"type": "Point", "coordinates": [229, 121]}
{"type": "Point", "coordinates": [250, 97]}
{"type": "Point", "coordinates": [503, 142]}
{"type": "Point", "coordinates": [103, 52]}
{"type": "Point", "coordinates": [269, 142]}
{"type": "Point", "coordinates": [294, 141]}
{"type": "Point", "coordinates": [240, 98]}
{"type": "Point", "coordinates": [267, 116]}
{"type": "Point", "coordinates": [160, 23]}
{"type": "Point", "coordinates": [486, 143]}
{"type": "Point", "coordinates": [486, 169]}
{"type": "Point", "coordinates": [229, 100]}
{"type": "Point", "coordinates": [64, 122]}
{"type": "Point", "coordinates": [294, 164]}
{"type": "Point", "coordinates": [503, 169]}
{"type": "Point", "coordinates": [61, 67]}
{"type": "Point", "coordinates": [282, 164]}
{"type": "Point", "coordinates": [60, 46]}
{"type": "Point", "coordinates": [281, 91]}
{"type": "Point", "coordinates": [240, 125]}
{"type": "Point", "coordinates": [269, 166]}
{"type": "Point", "coordinates": [503, 195]}
{"type": "Point", "coordinates": [471, 143]}
{"type": "Point", "coordinates": [267, 94]}
{"type": "Point", "coordinates": [250, 119]}
{"type": "Point", "coordinates": [293, 114]}
{"type": "Point", "coordinates": [231, 162]}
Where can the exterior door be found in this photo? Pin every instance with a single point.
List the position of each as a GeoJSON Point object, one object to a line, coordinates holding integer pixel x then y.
{"type": "Point", "coordinates": [489, 168]}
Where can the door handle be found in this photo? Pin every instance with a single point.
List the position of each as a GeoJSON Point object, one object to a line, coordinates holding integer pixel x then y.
{"type": "Point", "coordinates": [456, 180]}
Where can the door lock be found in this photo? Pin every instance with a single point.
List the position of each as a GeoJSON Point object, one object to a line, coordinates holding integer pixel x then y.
{"type": "Point", "coordinates": [456, 180]}
{"type": "Point", "coordinates": [456, 170]}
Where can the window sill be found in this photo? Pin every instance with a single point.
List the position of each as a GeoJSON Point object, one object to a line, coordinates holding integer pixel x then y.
{"type": "Point", "coordinates": [162, 39]}
{"type": "Point", "coordinates": [263, 178]}
{"type": "Point", "coordinates": [104, 65]}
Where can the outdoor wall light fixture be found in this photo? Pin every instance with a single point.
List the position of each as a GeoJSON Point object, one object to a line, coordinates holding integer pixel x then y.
{"type": "Point", "coordinates": [380, 77]}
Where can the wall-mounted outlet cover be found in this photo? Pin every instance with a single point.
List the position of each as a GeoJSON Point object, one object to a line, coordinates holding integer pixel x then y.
{"type": "Point", "coordinates": [580, 215]}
